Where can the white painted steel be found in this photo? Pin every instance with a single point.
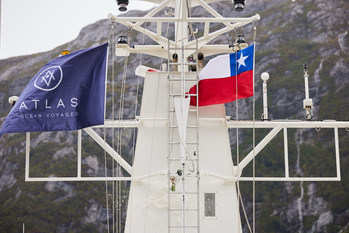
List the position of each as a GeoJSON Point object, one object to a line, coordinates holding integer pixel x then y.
{"type": "Point", "coordinates": [306, 86]}
{"type": "Point", "coordinates": [336, 143]}
{"type": "Point", "coordinates": [78, 177]}
{"type": "Point", "coordinates": [27, 155]}
{"type": "Point", "coordinates": [147, 206]}
{"type": "Point", "coordinates": [183, 19]}
{"type": "Point", "coordinates": [148, 201]}
{"type": "Point", "coordinates": [79, 154]}
{"type": "Point", "coordinates": [109, 149]}
{"type": "Point", "coordinates": [141, 70]}
{"type": "Point", "coordinates": [229, 179]}
{"type": "Point", "coordinates": [258, 148]}
{"type": "Point", "coordinates": [296, 124]}
{"type": "Point", "coordinates": [265, 100]}
{"type": "Point", "coordinates": [289, 124]}
{"type": "Point", "coordinates": [293, 179]}
{"type": "Point", "coordinates": [118, 124]}
{"type": "Point", "coordinates": [287, 171]}
{"type": "Point", "coordinates": [270, 136]}
{"type": "Point", "coordinates": [182, 110]}
{"type": "Point", "coordinates": [55, 179]}
{"type": "Point", "coordinates": [193, 2]}
{"type": "Point", "coordinates": [148, 210]}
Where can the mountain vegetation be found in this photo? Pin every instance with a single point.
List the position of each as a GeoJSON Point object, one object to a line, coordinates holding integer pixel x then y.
{"type": "Point", "coordinates": [289, 34]}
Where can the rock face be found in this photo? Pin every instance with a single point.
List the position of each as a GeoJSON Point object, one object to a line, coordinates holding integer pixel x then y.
{"type": "Point", "coordinates": [7, 178]}
{"type": "Point", "coordinates": [289, 34]}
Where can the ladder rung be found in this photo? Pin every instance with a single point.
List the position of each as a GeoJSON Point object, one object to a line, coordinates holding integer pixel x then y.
{"type": "Point", "coordinates": [179, 79]}
{"type": "Point", "coordinates": [184, 226]}
{"type": "Point", "coordinates": [187, 64]}
{"type": "Point", "coordinates": [185, 143]}
{"type": "Point", "coordinates": [176, 193]}
{"type": "Point", "coordinates": [185, 209]}
{"type": "Point", "coordinates": [186, 176]}
{"type": "Point", "coordinates": [189, 126]}
{"type": "Point", "coordinates": [180, 49]}
{"type": "Point", "coordinates": [178, 159]}
{"type": "Point", "coordinates": [183, 95]}
{"type": "Point", "coordinates": [190, 110]}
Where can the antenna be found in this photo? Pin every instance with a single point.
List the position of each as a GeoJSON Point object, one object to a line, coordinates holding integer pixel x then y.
{"type": "Point", "coordinates": [265, 78]}
{"type": "Point", "coordinates": [307, 102]}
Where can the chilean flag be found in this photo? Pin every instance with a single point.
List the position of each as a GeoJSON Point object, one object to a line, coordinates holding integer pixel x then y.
{"type": "Point", "coordinates": [220, 83]}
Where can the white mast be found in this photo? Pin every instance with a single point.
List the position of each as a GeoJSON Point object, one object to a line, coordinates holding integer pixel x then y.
{"type": "Point", "coordinates": [265, 77]}
{"type": "Point", "coordinates": [213, 206]}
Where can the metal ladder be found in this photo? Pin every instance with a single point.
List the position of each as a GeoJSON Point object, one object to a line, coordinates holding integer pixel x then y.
{"type": "Point", "coordinates": [183, 178]}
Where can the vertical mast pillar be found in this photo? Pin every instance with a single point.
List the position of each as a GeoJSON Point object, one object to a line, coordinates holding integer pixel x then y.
{"type": "Point", "coordinates": [265, 77]}
{"type": "Point", "coordinates": [181, 30]}
{"type": "Point", "coordinates": [307, 102]}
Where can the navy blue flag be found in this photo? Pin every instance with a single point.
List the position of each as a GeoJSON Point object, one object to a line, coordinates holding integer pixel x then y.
{"type": "Point", "coordinates": [68, 93]}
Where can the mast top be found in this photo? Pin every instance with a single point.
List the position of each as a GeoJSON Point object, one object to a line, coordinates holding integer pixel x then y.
{"type": "Point", "coordinates": [182, 20]}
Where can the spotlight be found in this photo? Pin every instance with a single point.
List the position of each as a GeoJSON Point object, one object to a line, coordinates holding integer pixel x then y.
{"type": "Point", "coordinates": [122, 40]}
{"type": "Point", "coordinates": [240, 39]}
{"type": "Point", "coordinates": [122, 5]}
{"type": "Point", "coordinates": [239, 43]}
{"type": "Point", "coordinates": [200, 56]}
{"type": "Point", "coordinates": [12, 100]}
{"type": "Point", "coordinates": [239, 5]}
{"type": "Point", "coordinates": [200, 61]}
{"type": "Point", "coordinates": [191, 60]}
{"type": "Point", "coordinates": [122, 48]}
{"type": "Point", "coordinates": [265, 76]}
{"type": "Point", "coordinates": [175, 60]}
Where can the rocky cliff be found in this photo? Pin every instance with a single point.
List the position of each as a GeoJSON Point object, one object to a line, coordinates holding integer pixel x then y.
{"type": "Point", "coordinates": [289, 34]}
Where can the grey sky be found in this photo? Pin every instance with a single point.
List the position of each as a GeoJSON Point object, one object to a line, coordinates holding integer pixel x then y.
{"type": "Point", "coordinates": [32, 26]}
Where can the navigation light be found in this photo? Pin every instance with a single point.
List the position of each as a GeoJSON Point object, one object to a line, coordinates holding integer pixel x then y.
{"type": "Point", "coordinates": [122, 48]}
{"type": "Point", "coordinates": [239, 5]}
{"type": "Point", "coordinates": [122, 5]}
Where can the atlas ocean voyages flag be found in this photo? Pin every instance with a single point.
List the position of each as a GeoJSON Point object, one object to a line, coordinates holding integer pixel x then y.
{"type": "Point", "coordinates": [225, 78]}
{"type": "Point", "coordinates": [68, 93]}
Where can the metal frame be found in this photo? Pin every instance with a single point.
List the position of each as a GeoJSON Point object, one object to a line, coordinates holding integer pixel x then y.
{"type": "Point", "coordinates": [277, 126]}
{"type": "Point", "coordinates": [100, 141]}
{"type": "Point", "coordinates": [200, 45]}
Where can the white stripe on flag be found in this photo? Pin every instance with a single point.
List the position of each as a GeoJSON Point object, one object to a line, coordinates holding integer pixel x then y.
{"type": "Point", "coordinates": [218, 67]}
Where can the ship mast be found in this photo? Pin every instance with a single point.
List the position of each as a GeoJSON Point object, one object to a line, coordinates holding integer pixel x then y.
{"type": "Point", "coordinates": [183, 179]}
{"type": "Point", "coordinates": [200, 197]}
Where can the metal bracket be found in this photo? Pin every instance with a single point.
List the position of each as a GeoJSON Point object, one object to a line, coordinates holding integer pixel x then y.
{"type": "Point", "coordinates": [277, 126]}
{"type": "Point", "coordinates": [100, 141]}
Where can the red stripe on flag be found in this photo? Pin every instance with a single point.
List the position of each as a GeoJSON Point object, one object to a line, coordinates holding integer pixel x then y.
{"type": "Point", "coordinates": [223, 90]}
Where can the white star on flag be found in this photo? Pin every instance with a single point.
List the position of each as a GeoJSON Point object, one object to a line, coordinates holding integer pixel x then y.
{"type": "Point", "coordinates": [241, 60]}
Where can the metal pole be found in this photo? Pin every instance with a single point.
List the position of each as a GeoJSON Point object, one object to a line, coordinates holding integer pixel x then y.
{"type": "Point", "coordinates": [27, 151]}
{"type": "Point", "coordinates": [265, 77]}
{"type": "Point", "coordinates": [287, 173]}
{"type": "Point", "coordinates": [336, 141]}
{"type": "Point", "coordinates": [183, 194]}
{"type": "Point", "coordinates": [306, 84]}
{"type": "Point", "coordinates": [109, 149]}
{"type": "Point", "coordinates": [307, 102]}
{"type": "Point", "coordinates": [79, 154]}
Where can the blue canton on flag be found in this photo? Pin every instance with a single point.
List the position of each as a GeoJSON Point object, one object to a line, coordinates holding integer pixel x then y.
{"type": "Point", "coordinates": [68, 93]}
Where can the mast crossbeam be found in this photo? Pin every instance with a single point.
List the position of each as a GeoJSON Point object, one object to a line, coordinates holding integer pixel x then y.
{"type": "Point", "coordinates": [165, 44]}
{"type": "Point", "coordinates": [277, 126]}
